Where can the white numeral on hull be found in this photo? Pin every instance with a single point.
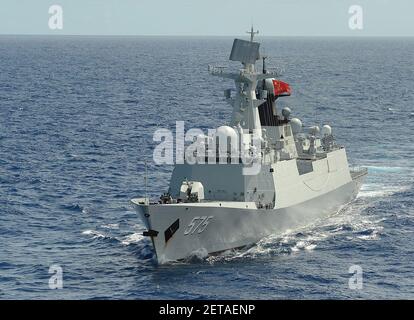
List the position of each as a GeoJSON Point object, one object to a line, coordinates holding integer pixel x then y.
{"type": "Point", "coordinates": [198, 224]}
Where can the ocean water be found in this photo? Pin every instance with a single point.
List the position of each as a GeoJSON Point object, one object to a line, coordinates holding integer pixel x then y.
{"type": "Point", "coordinates": [77, 115]}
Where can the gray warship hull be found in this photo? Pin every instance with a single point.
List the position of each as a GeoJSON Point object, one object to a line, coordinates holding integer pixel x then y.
{"type": "Point", "coordinates": [228, 227]}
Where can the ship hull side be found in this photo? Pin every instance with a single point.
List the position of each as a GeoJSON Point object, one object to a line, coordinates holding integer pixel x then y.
{"type": "Point", "coordinates": [222, 228]}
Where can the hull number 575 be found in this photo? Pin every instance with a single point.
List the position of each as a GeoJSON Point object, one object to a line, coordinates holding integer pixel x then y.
{"type": "Point", "coordinates": [198, 224]}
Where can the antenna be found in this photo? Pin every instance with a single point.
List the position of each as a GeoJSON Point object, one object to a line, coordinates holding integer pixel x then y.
{"type": "Point", "coordinates": [264, 64]}
{"type": "Point", "coordinates": [252, 33]}
{"type": "Point", "coordinates": [146, 182]}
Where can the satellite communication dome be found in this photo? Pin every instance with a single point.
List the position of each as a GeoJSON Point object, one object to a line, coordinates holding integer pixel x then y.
{"type": "Point", "coordinates": [296, 125]}
{"type": "Point", "coordinates": [314, 130]}
{"type": "Point", "coordinates": [227, 138]}
{"type": "Point", "coordinates": [226, 131]}
{"type": "Point", "coordinates": [326, 130]}
{"type": "Point", "coordinates": [286, 112]}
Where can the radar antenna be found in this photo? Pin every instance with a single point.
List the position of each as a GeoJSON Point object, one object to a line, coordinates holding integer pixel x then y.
{"type": "Point", "coordinates": [252, 33]}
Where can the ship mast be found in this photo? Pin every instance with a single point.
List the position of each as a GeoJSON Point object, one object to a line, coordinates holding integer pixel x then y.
{"type": "Point", "coordinates": [252, 33]}
{"type": "Point", "coordinates": [245, 103]}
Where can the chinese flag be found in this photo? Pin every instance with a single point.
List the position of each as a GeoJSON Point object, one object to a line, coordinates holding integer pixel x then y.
{"type": "Point", "coordinates": [281, 88]}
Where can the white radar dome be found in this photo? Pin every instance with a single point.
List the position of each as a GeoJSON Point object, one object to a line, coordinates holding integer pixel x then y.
{"type": "Point", "coordinates": [296, 125]}
{"type": "Point", "coordinates": [227, 138]}
{"type": "Point", "coordinates": [314, 130]}
{"type": "Point", "coordinates": [326, 130]}
{"type": "Point", "coordinates": [286, 112]}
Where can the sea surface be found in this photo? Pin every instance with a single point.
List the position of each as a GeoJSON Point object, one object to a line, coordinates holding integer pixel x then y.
{"type": "Point", "coordinates": [77, 117]}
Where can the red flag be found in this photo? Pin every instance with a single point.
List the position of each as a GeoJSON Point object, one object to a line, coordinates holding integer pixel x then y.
{"type": "Point", "coordinates": [281, 88]}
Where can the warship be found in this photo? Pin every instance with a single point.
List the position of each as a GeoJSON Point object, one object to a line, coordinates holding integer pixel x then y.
{"type": "Point", "coordinates": [262, 174]}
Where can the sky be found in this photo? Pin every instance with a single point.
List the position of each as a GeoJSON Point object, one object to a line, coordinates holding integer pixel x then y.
{"type": "Point", "coordinates": [209, 17]}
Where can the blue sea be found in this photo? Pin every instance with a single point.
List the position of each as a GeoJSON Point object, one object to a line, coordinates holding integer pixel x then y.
{"type": "Point", "coordinates": [77, 117]}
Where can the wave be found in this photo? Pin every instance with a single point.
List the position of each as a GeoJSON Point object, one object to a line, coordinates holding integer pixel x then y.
{"type": "Point", "coordinates": [133, 238]}
{"type": "Point", "coordinates": [131, 101]}
{"type": "Point", "coordinates": [74, 207]}
{"type": "Point", "coordinates": [377, 190]}
{"type": "Point", "coordinates": [380, 169]}
{"type": "Point", "coordinates": [110, 226]}
{"type": "Point", "coordinates": [141, 245]}
{"type": "Point", "coordinates": [95, 234]}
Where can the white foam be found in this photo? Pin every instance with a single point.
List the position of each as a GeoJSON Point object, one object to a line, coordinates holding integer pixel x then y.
{"type": "Point", "coordinates": [200, 253]}
{"type": "Point", "coordinates": [310, 247]}
{"type": "Point", "coordinates": [378, 190]}
{"type": "Point", "coordinates": [133, 238]}
{"type": "Point", "coordinates": [110, 226]}
{"type": "Point", "coordinates": [373, 236]}
{"type": "Point", "coordinates": [303, 245]}
{"type": "Point", "coordinates": [387, 168]}
{"type": "Point", "coordinates": [94, 233]}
